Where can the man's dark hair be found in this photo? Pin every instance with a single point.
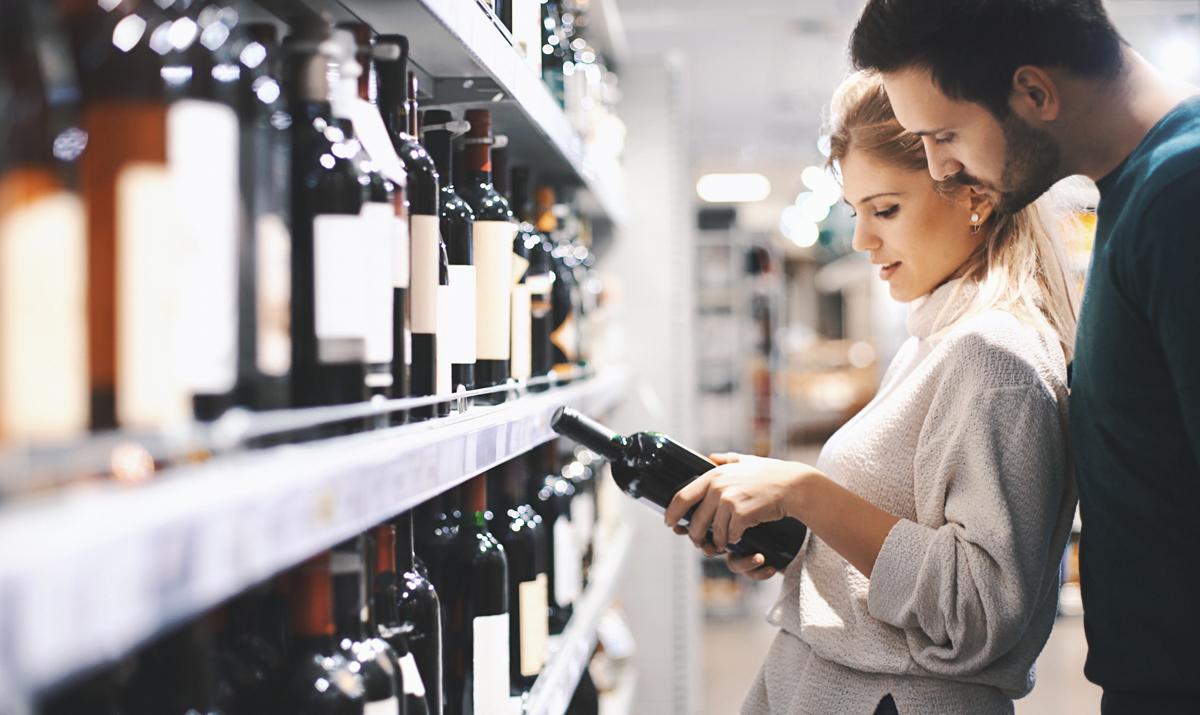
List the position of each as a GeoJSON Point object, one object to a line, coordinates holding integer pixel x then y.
{"type": "Point", "coordinates": [973, 47]}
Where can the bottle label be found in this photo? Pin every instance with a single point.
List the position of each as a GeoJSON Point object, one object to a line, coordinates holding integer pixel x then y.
{"type": "Point", "coordinates": [391, 706]}
{"type": "Point", "coordinates": [378, 223]}
{"type": "Point", "coordinates": [400, 249]}
{"type": "Point", "coordinates": [43, 324]}
{"type": "Point", "coordinates": [273, 299]}
{"type": "Point", "coordinates": [568, 571]}
{"type": "Point", "coordinates": [490, 661]}
{"type": "Point", "coordinates": [493, 242]}
{"type": "Point", "coordinates": [202, 152]}
{"type": "Point", "coordinates": [583, 513]}
{"type": "Point", "coordinates": [535, 625]}
{"type": "Point", "coordinates": [150, 390]}
{"type": "Point", "coordinates": [522, 333]}
{"type": "Point", "coordinates": [414, 684]}
{"type": "Point", "coordinates": [341, 295]}
{"type": "Point", "coordinates": [369, 128]}
{"type": "Point", "coordinates": [461, 331]}
{"type": "Point", "coordinates": [565, 337]}
{"type": "Point", "coordinates": [445, 328]}
{"type": "Point", "coordinates": [426, 252]}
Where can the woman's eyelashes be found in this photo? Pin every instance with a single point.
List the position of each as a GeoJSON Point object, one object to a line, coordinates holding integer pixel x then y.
{"type": "Point", "coordinates": [889, 211]}
{"type": "Point", "coordinates": [945, 139]}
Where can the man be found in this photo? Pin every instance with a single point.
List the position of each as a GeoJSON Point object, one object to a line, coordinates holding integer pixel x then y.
{"type": "Point", "coordinates": [1009, 96]}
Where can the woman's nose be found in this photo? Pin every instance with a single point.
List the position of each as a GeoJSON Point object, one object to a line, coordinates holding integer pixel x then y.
{"type": "Point", "coordinates": [864, 239]}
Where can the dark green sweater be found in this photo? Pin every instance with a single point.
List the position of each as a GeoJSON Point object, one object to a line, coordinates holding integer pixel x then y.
{"type": "Point", "coordinates": [1135, 419]}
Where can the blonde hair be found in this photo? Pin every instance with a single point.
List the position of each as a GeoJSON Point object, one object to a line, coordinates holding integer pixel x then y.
{"type": "Point", "coordinates": [1020, 265]}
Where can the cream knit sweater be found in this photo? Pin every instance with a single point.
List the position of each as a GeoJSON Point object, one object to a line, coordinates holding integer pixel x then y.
{"type": "Point", "coordinates": [966, 442]}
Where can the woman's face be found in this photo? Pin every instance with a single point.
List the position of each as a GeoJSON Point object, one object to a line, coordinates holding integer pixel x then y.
{"type": "Point", "coordinates": [918, 238]}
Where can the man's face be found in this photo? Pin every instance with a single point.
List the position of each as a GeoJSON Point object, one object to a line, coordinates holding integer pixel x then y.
{"type": "Point", "coordinates": [1009, 161]}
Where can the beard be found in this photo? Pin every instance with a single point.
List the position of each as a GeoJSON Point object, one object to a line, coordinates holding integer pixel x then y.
{"type": "Point", "coordinates": [1032, 164]}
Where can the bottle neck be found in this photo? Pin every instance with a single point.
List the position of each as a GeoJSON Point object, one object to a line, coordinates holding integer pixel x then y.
{"type": "Point", "coordinates": [405, 554]}
{"type": "Point", "coordinates": [385, 549]}
{"type": "Point", "coordinates": [476, 492]}
{"type": "Point", "coordinates": [311, 590]}
{"type": "Point", "coordinates": [348, 601]}
{"type": "Point", "coordinates": [439, 145]}
{"type": "Point", "coordinates": [392, 94]}
{"type": "Point", "coordinates": [477, 160]}
{"type": "Point", "coordinates": [589, 433]}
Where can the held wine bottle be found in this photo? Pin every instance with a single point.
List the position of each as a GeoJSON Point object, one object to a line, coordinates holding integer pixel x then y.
{"type": "Point", "coordinates": [376, 660]}
{"type": "Point", "coordinates": [43, 336]}
{"type": "Point", "coordinates": [521, 366]}
{"type": "Point", "coordinates": [328, 317]}
{"type": "Point", "coordinates": [519, 530]}
{"type": "Point", "coordinates": [539, 276]}
{"type": "Point", "coordinates": [456, 223]}
{"type": "Point", "coordinates": [264, 333]}
{"type": "Point", "coordinates": [408, 616]}
{"type": "Point", "coordinates": [553, 496]}
{"type": "Point", "coordinates": [398, 104]}
{"type": "Point", "coordinates": [494, 230]}
{"type": "Point", "coordinates": [651, 467]}
{"type": "Point", "coordinates": [474, 593]}
{"type": "Point", "coordinates": [321, 680]}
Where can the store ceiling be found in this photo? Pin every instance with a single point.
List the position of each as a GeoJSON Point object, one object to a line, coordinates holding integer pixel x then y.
{"type": "Point", "coordinates": [758, 74]}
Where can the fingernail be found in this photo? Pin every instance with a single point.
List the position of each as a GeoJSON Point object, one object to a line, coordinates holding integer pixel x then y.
{"type": "Point", "coordinates": [759, 558]}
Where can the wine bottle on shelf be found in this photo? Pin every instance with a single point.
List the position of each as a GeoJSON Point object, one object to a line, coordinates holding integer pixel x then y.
{"type": "Point", "coordinates": [651, 467]}
{"type": "Point", "coordinates": [377, 661]}
{"type": "Point", "coordinates": [519, 530]}
{"type": "Point", "coordinates": [474, 592]}
{"type": "Point", "coordinates": [583, 507]}
{"type": "Point", "coordinates": [552, 500]}
{"type": "Point", "coordinates": [398, 104]}
{"type": "Point", "coordinates": [181, 673]}
{"type": "Point", "coordinates": [564, 320]}
{"type": "Point", "coordinates": [264, 282]}
{"type": "Point", "coordinates": [521, 366]}
{"type": "Point", "coordinates": [203, 145]}
{"type": "Point", "coordinates": [494, 230]}
{"type": "Point", "coordinates": [456, 225]}
{"type": "Point", "coordinates": [251, 647]}
{"type": "Point", "coordinates": [321, 680]}
{"type": "Point", "coordinates": [43, 332]}
{"type": "Point", "coordinates": [539, 276]}
{"type": "Point", "coordinates": [436, 525]}
{"type": "Point", "coordinates": [379, 162]}
{"type": "Point", "coordinates": [408, 616]}
{"type": "Point", "coordinates": [554, 51]}
{"type": "Point", "coordinates": [327, 196]}
{"type": "Point", "coordinates": [376, 220]}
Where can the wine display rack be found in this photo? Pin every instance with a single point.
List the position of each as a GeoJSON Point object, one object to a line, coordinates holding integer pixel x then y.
{"type": "Point", "coordinates": [93, 571]}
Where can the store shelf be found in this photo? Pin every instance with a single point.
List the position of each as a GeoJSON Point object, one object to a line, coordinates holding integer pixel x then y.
{"type": "Point", "coordinates": [472, 58]}
{"type": "Point", "coordinates": [90, 572]}
{"type": "Point", "coordinates": [571, 651]}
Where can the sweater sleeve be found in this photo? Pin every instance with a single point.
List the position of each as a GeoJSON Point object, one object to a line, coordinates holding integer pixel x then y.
{"type": "Point", "coordinates": [991, 476]}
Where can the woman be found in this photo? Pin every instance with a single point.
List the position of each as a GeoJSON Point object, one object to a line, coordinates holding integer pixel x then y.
{"type": "Point", "coordinates": [938, 514]}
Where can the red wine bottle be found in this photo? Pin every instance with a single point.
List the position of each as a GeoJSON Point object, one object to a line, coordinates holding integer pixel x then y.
{"type": "Point", "coordinates": [320, 680]}
{"type": "Point", "coordinates": [519, 530]}
{"type": "Point", "coordinates": [376, 659]}
{"type": "Point", "coordinates": [457, 232]}
{"type": "Point", "coordinates": [328, 340]}
{"type": "Point", "coordinates": [651, 468]}
{"type": "Point", "coordinates": [552, 499]}
{"type": "Point", "coordinates": [398, 104]}
{"type": "Point", "coordinates": [494, 230]}
{"type": "Point", "coordinates": [520, 361]}
{"type": "Point", "coordinates": [407, 615]}
{"type": "Point", "coordinates": [564, 319]}
{"type": "Point", "coordinates": [539, 276]}
{"type": "Point", "coordinates": [474, 592]}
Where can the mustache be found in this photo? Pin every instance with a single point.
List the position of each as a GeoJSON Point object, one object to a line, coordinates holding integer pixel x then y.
{"type": "Point", "coordinates": [962, 178]}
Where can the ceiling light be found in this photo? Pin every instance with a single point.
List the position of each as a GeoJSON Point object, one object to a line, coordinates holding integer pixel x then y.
{"type": "Point", "coordinates": [733, 188]}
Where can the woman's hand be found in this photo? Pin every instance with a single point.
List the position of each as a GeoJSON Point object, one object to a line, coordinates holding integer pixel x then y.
{"type": "Point", "coordinates": [753, 566]}
{"type": "Point", "coordinates": [741, 492]}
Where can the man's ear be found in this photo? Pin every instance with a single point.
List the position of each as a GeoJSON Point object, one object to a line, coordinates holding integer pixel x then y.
{"type": "Point", "coordinates": [1035, 96]}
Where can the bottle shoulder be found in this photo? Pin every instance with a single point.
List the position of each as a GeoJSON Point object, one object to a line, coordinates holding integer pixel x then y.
{"type": "Point", "coordinates": [454, 207]}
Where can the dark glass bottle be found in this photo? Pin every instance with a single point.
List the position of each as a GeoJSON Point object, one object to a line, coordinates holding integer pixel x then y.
{"type": "Point", "coordinates": [381, 168]}
{"type": "Point", "coordinates": [474, 592]}
{"type": "Point", "coordinates": [320, 678]}
{"type": "Point", "coordinates": [252, 648]}
{"type": "Point", "coordinates": [554, 50]}
{"type": "Point", "coordinates": [553, 494]}
{"type": "Point", "coordinates": [264, 282]}
{"type": "Point", "coordinates": [564, 322]}
{"type": "Point", "coordinates": [328, 192]}
{"type": "Point", "coordinates": [651, 467]}
{"type": "Point", "coordinates": [377, 661]}
{"type": "Point", "coordinates": [407, 615]}
{"type": "Point", "coordinates": [398, 104]}
{"type": "Point", "coordinates": [457, 232]}
{"type": "Point", "coordinates": [519, 529]}
{"type": "Point", "coordinates": [180, 673]}
{"type": "Point", "coordinates": [43, 333]}
{"type": "Point", "coordinates": [520, 361]}
{"type": "Point", "coordinates": [436, 525]}
{"type": "Point", "coordinates": [539, 275]}
{"type": "Point", "coordinates": [494, 230]}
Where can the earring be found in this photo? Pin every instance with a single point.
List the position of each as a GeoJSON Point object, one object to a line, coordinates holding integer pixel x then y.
{"type": "Point", "coordinates": [975, 223]}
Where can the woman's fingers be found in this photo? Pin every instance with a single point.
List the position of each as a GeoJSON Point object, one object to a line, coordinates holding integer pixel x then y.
{"type": "Point", "coordinates": [753, 566]}
{"type": "Point", "coordinates": [720, 458]}
{"type": "Point", "coordinates": [702, 518]}
{"type": "Point", "coordinates": [687, 497]}
{"type": "Point", "coordinates": [720, 525]}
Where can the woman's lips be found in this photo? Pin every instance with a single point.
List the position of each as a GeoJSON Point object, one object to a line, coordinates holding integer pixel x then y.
{"type": "Point", "coordinates": [886, 272]}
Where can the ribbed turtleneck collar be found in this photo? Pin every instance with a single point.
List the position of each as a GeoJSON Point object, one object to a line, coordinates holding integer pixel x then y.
{"type": "Point", "coordinates": [931, 313]}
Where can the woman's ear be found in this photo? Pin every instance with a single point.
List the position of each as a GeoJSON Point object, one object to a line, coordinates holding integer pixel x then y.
{"type": "Point", "coordinates": [980, 207]}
